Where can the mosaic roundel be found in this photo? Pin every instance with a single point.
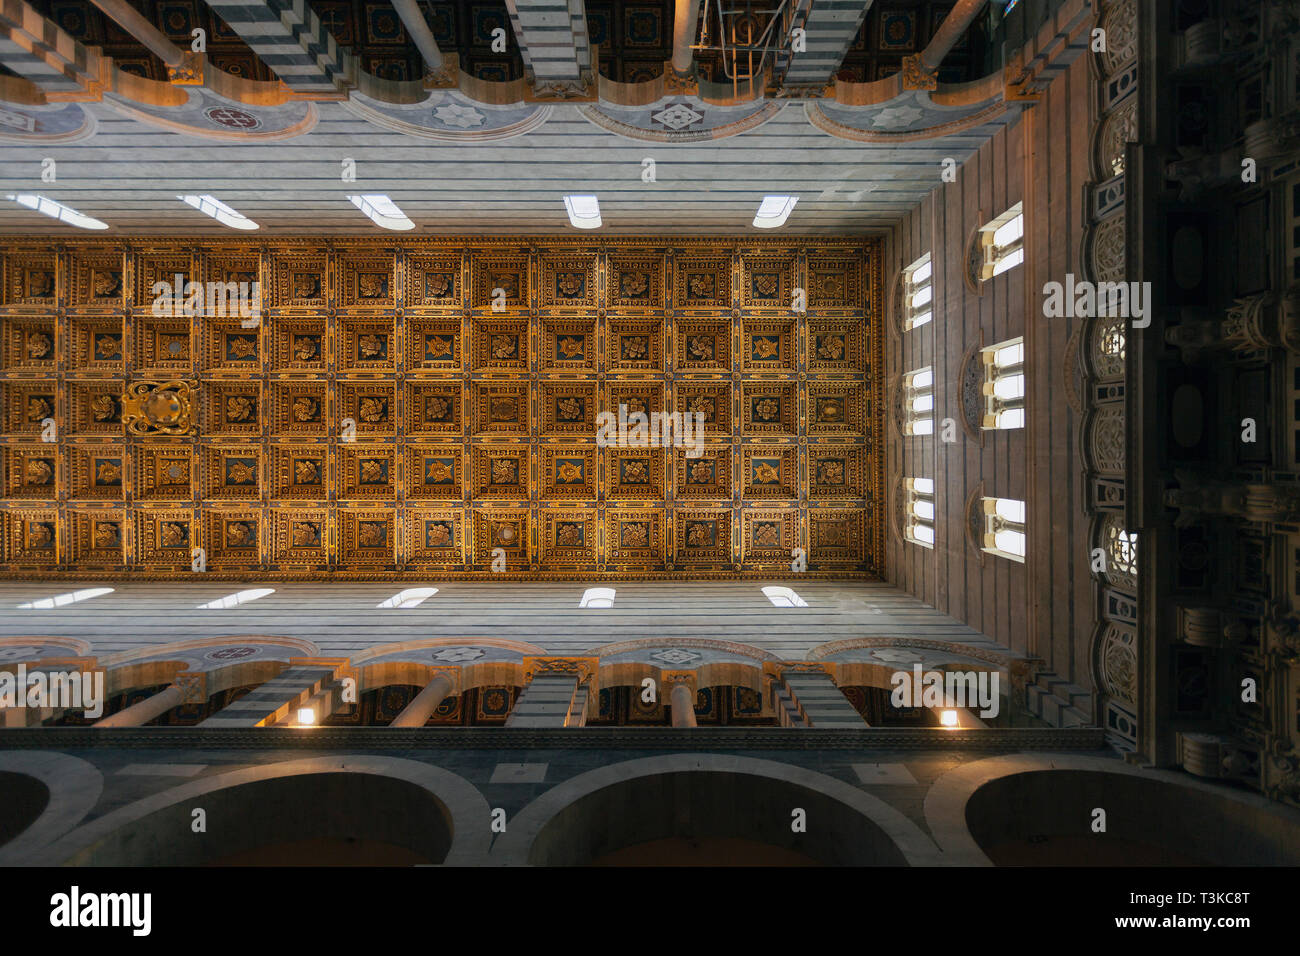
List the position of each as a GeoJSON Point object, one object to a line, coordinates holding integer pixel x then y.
{"type": "Point", "coordinates": [675, 657]}
{"type": "Point", "coordinates": [231, 653]}
{"type": "Point", "coordinates": [232, 118]}
{"type": "Point", "coordinates": [23, 652]}
{"type": "Point", "coordinates": [458, 655]}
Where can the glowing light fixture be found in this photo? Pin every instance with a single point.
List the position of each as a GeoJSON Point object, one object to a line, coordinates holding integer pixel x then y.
{"type": "Point", "coordinates": [584, 211]}
{"type": "Point", "coordinates": [948, 718]}
{"type": "Point", "coordinates": [411, 597]}
{"type": "Point", "coordinates": [597, 597]}
{"type": "Point", "coordinates": [306, 717]}
{"type": "Point", "coordinates": [214, 207]}
{"type": "Point", "coordinates": [72, 597]}
{"type": "Point", "coordinates": [56, 210]}
{"type": "Point", "coordinates": [234, 600]}
{"type": "Point", "coordinates": [382, 211]}
{"type": "Point", "coordinates": [773, 211]}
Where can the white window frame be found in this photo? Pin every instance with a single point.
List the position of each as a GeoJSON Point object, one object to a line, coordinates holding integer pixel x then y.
{"type": "Point", "coordinates": [1003, 372]}
{"type": "Point", "coordinates": [1003, 247]}
{"type": "Point", "coordinates": [919, 498]}
{"type": "Point", "coordinates": [918, 282]}
{"type": "Point", "coordinates": [918, 421]}
{"type": "Point", "coordinates": [1003, 516]}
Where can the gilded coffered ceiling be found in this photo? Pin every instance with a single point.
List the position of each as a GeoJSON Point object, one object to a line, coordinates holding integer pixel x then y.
{"type": "Point", "coordinates": [433, 409]}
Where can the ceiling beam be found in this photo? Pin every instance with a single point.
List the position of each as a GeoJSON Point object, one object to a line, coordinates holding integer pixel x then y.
{"type": "Point", "coordinates": [956, 23]}
{"type": "Point", "coordinates": [417, 28]}
{"type": "Point", "coordinates": [290, 39]}
{"type": "Point", "coordinates": [133, 22]}
{"type": "Point", "coordinates": [829, 30]}
{"type": "Point", "coordinates": [552, 36]}
{"type": "Point", "coordinates": [39, 51]}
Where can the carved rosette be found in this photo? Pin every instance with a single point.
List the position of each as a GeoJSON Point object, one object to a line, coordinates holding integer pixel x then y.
{"type": "Point", "coordinates": [1120, 24]}
{"type": "Point", "coordinates": [1118, 659]}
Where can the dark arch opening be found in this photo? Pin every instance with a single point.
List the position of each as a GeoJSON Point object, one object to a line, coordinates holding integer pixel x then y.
{"type": "Point", "coordinates": [1044, 818]}
{"type": "Point", "coordinates": [318, 819]}
{"type": "Point", "coordinates": [706, 818]}
{"type": "Point", "coordinates": [25, 799]}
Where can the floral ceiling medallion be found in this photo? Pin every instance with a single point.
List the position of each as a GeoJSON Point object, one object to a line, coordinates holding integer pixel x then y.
{"type": "Point", "coordinates": [159, 408]}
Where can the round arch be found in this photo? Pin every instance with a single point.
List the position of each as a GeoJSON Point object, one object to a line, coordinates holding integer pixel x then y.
{"type": "Point", "coordinates": [74, 787]}
{"type": "Point", "coordinates": [1035, 809]}
{"type": "Point", "coordinates": [552, 829]}
{"type": "Point", "coordinates": [15, 649]}
{"type": "Point", "coordinates": [466, 812]}
{"type": "Point", "coordinates": [151, 666]}
{"type": "Point", "coordinates": [478, 662]}
{"type": "Point", "coordinates": [628, 663]}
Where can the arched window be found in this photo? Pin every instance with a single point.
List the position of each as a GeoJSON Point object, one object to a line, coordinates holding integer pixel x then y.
{"type": "Point", "coordinates": [411, 597]}
{"type": "Point", "coordinates": [1004, 385]}
{"type": "Point", "coordinates": [782, 596]}
{"type": "Point", "coordinates": [597, 597]}
{"type": "Point", "coordinates": [919, 405]}
{"type": "Point", "coordinates": [917, 293]}
{"type": "Point", "coordinates": [918, 522]}
{"type": "Point", "coordinates": [234, 600]}
{"type": "Point", "coordinates": [60, 600]}
{"type": "Point", "coordinates": [1004, 528]}
{"type": "Point", "coordinates": [1002, 243]}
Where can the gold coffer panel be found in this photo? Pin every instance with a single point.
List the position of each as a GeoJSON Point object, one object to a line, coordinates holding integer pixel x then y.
{"type": "Point", "coordinates": [433, 409]}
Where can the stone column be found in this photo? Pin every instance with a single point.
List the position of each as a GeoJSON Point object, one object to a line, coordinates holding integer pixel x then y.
{"type": "Point", "coordinates": [141, 712]}
{"type": "Point", "coordinates": [134, 23]}
{"type": "Point", "coordinates": [683, 704]}
{"type": "Point", "coordinates": [421, 708]}
{"type": "Point", "coordinates": [685, 18]}
{"type": "Point", "coordinates": [956, 23]}
{"type": "Point", "coordinates": [419, 32]}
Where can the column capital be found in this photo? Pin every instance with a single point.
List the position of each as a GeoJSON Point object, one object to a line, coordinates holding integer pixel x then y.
{"type": "Point", "coordinates": [190, 71]}
{"type": "Point", "coordinates": [916, 76]}
{"type": "Point", "coordinates": [194, 684]}
{"type": "Point", "coordinates": [690, 679]}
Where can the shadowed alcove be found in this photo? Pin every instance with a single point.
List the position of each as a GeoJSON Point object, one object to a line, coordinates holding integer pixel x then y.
{"type": "Point", "coordinates": [25, 799]}
{"type": "Point", "coordinates": [709, 819]}
{"type": "Point", "coordinates": [1044, 818]}
{"type": "Point", "coordinates": [322, 819]}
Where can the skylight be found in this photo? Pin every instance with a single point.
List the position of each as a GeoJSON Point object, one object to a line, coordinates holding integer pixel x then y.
{"type": "Point", "coordinates": [382, 211]}
{"type": "Point", "coordinates": [584, 211]}
{"type": "Point", "coordinates": [411, 597]}
{"type": "Point", "coordinates": [773, 211]}
{"type": "Point", "coordinates": [72, 597]}
{"type": "Point", "coordinates": [783, 596]}
{"type": "Point", "coordinates": [214, 207]}
{"type": "Point", "coordinates": [233, 600]}
{"type": "Point", "coordinates": [597, 597]}
{"type": "Point", "coordinates": [57, 210]}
